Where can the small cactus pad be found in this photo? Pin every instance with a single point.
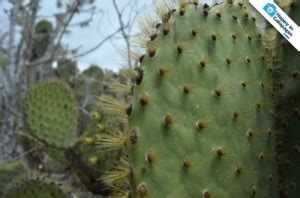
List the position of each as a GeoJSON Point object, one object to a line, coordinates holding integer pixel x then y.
{"type": "Point", "coordinates": [51, 114]}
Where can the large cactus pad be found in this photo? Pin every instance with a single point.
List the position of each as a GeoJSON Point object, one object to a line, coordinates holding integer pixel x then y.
{"type": "Point", "coordinates": [202, 114]}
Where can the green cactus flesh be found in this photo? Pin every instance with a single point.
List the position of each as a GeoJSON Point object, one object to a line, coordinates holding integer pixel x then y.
{"type": "Point", "coordinates": [36, 186]}
{"type": "Point", "coordinates": [51, 114]}
{"type": "Point", "coordinates": [201, 122]}
{"type": "Point", "coordinates": [288, 109]}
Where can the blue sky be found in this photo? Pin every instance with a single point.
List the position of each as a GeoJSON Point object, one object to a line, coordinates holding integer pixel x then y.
{"type": "Point", "coordinates": [109, 55]}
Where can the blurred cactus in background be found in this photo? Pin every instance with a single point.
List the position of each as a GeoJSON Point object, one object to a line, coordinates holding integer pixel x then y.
{"type": "Point", "coordinates": [43, 32]}
{"type": "Point", "coordinates": [67, 71]}
{"type": "Point", "coordinates": [287, 90]}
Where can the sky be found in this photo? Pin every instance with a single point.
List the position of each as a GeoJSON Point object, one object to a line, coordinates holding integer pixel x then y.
{"type": "Point", "coordinates": [108, 56]}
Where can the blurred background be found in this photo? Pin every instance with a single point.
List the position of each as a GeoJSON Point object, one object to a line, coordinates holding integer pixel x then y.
{"type": "Point", "coordinates": [97, 33]}
{"type": "Point", "coordinates": [94, 32]}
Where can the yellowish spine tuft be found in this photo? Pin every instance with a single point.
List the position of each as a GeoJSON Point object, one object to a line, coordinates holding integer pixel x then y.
{"type": "Point", "coordinates": [109, 142]}
{"type": "Point", "coordinates": [118, 176]}
{"type": "Point", "coordinates": [111, 106]}
{"type": "Point", "coordinates": [120, 88]}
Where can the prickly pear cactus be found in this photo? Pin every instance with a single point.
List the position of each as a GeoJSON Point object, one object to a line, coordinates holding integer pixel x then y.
{"type": "Point", "coordinates": [94, 161]}
{"type": "Point", "coordinates": [28, 186]}
{"type": "Point", "coordinates": [90, 82]}
{"type": "Point", "coordinates": [200, 124]}
{"type": "Point", "coordinates": [42, 37]}
{"type": "Point", "coordinates": [287, 86]}
{"type": "Point", "coordinates": [43, 26]}
{"type": "Point", "coordinates": [67, 70]}
{"type": "Point", "coordinates": [51, 114]}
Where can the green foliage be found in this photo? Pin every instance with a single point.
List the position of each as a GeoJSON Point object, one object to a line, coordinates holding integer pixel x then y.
{"type": "Point", "coordinates": [51, 114]}
{"type": "Point", "coordinates": [95, 72]}
{"type": "Point", "coordinates": [90, 82]}
{"type": "Point", "coordinates": [31, 186]}
{"type": "Point", "coordinates": [67, 70]}
{"type": "Point", "coordinates": [8, 172]}
{"type": "Point", "coordinates": [200, 122]}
